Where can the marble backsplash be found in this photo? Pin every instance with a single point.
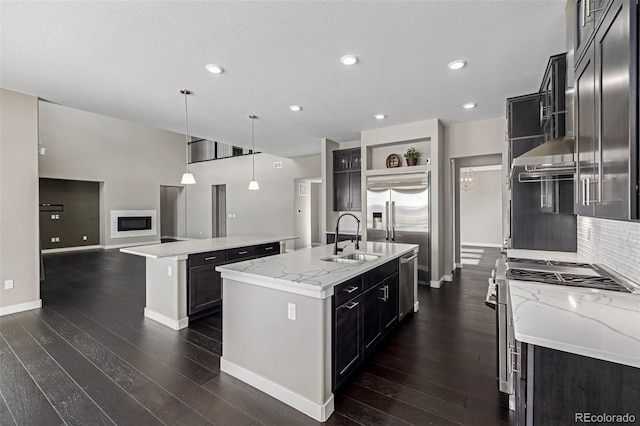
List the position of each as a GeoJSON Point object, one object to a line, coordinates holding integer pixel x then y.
{"type": "Point", "coordinates": [613, 243]}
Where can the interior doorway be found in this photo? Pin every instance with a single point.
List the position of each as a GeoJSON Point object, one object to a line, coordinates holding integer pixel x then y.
{"type": "Point", "coordinates": [218, 211]}
{"type": "Point", "coordinates": [478, 194]}
{"type": "Point", "coordinates": [306, 217]}
{"type": "Point", "coordinates": [172, 213]}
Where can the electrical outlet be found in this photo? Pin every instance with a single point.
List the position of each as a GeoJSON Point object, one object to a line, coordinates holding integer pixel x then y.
{"type": "Point", "coordinates": [84, 238]}
{"type": "Point", "coordinates": [291, 311]}
{"type": "Point", "coordinates": [57, 216]}
{"type": "Point", "coordinates": [57, 239]}
{"type": "Point", "coordinates": [8, 284]}
{"type": "Point", "coordinates": [277, 164]}
{"type": "Point", "coordinates": [53, 216]}
{"type": "Point", "coordinates": [169, 270]}
{"type": "Point", "coordinates": [53, 239]}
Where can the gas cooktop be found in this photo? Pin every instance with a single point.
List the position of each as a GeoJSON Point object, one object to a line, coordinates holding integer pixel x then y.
{"type": "Point", "coordinates": [562, 273]}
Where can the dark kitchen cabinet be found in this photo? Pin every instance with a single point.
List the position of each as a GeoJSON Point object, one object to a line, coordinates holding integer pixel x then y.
{"type": "Point", "coordinates": [553, 98]}
{"type": "Point", "coordinates": [347, 195]}
{"type": "Point", "coordinates": [587, 16]}
{"type": "Point", "coordinates": [607, 96]}
{"type": "Point", "coordinates": [204, 282]}
{"type": "Point", "coordinates": [347, 330]}
{"type": "Point", "coordinates": [365, 309]}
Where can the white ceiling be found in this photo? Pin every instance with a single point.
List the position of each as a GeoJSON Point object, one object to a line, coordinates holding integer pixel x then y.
{"type": "Point", "coordinates": [130, 59]}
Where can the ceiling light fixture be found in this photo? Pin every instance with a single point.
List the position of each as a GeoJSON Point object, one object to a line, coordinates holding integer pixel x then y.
{"type": "Point", "coordinates": [380, 116]}
{"type": "Point", "coordinates": [349, 59]}
{"type": "Point", "coordinates": [295, 107]}
{"type": "Point", "coordinates": [456, 65]}
{"type": "Point", "coordinates": [214, 69]}
{"type": "Point", "coordinates": [253, 185]}
{"type": "Point", "coordinates": [187, 177]}
{"type": "Point", "coordinates": [469, 105]}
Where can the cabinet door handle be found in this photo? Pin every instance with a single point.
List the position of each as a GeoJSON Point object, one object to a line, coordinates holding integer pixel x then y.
{"type": "Point", "coordinates": [350, 289]}
{"type": "Point", "coordinates": [588, 191]}
{"type": "Point", "coordinates": [210, 258]}
{"type": "Point", "coordinates": [243, 252]}
{"type": "Point", "coordinates": [583, 15]}
{"type": "Point", "coordinates": [352, 305]}
{"type": "Point", "coordinates": [388, 222]}
{"type": "Point", "coordinates": [584, 191]}
{"type": "Point", "coordinates": [268, 248]}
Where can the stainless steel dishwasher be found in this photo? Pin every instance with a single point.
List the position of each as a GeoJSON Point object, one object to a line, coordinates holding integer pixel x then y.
{"type": "Point", "coordinates": [408, 280]}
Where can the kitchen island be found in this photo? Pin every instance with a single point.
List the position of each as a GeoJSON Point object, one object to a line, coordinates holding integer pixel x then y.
{"type": "Point", "coordinates": [290, 320]}
{"type": "Point", "coordinates": [168, 271]}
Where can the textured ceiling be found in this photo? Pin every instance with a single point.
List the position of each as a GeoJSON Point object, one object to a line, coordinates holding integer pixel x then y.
{"type": "Point", "coordinates": [130, 59]}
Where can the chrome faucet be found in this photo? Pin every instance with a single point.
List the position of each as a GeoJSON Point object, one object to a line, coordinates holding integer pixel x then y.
{"type": "Point", "coordinates": [337, 249]}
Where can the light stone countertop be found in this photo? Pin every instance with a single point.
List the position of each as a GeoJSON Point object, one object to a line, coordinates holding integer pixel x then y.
{"type": "Point", "coordinates": [595, 323]}
{"type": "Point", "coordinates": [304, 272]}
{"type": "Point", "coordinates": [181, 249]}
{"type": "Point", "coordinates": [558, 256]}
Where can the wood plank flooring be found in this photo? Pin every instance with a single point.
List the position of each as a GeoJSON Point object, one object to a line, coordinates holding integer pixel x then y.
{"type": "Point", "coordinates": [90, 357]}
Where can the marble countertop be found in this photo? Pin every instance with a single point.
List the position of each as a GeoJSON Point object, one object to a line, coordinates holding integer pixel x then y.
{"type": "Point", "coordinates": [595, 323]}
{"type": "Point", "coordinates": [558, 256]}
{"type": "Point", "coordinates": [304, 272]}
{"type": "Point", "coordinates": [181, 249]}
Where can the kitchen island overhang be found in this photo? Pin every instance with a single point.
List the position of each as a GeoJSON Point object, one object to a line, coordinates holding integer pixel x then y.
{"type": "Point", "coordinates": [277, 321]}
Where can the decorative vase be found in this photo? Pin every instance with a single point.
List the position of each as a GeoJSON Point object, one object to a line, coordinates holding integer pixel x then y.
{"type": "Point", "coordinates": [412, 161]}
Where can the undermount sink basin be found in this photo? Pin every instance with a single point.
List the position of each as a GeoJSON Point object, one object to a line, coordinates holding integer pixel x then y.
{"type": "Point", "coordinates": [351, 258]}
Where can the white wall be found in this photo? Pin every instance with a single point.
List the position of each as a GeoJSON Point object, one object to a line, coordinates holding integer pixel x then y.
{"type": "Point", "coordinates": [481, 209]}
{"type": "Point", "coordinates": [477, 138]}
{"type": "Point", "coordinates": [19, 224]}
{"type": "Point", "coordinates": [269, 210]}
{"type": "Point", "coordinates": [132, 160]}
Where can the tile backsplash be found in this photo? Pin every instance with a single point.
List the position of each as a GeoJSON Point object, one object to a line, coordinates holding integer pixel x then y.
{"type": "Point", "coordinates": [613, 243]}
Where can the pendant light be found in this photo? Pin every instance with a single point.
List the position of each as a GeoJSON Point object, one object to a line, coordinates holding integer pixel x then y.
{"type": "Point", "coordinates": [187, 177]}
{"type": "Point", "coordinates": [253, 185]}
{"type": "Point", "coordinates": [467, 179]}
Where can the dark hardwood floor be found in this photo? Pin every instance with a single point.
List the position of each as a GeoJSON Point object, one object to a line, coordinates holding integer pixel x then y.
{"type": "Point", "coordinates": [90, 357]}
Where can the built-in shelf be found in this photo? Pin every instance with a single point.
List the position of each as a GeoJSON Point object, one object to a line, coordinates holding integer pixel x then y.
{"type": "Point", "coordinates": [398, 170]}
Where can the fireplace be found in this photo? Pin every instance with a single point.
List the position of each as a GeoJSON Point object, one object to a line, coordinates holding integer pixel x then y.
{"type": "Point", "coordinates": [134, 223]}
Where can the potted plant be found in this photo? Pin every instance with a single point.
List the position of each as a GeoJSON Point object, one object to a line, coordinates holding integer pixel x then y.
{"type": "Point", "coordinates": [412, 156]}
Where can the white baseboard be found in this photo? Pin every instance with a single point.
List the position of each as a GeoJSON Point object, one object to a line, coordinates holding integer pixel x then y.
{"type": "Point", "coordinates": [77, 248]}
{"type": "Point", "coordinates": [458, 265]}
{"type": "Point", "coordinates": [437, 284]}
{"type": "Point", "coordinates": [20, 307]}
{"type": "Point", "coordinates": [319, 412]}
{"type": "Point", "coordinates": [115, 246]}
{"type": "Point", "coordinates": [416, 306]}
{"type": "Point", "coordinates": [448, 278]}
{"type": "Point", "coordinates": [164, 320]}
{"type": "Point", "coordinates": [497, 245]}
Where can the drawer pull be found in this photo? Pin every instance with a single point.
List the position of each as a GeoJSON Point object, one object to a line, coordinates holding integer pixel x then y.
{"type": "Point", "coordinates": [268, 248]}
{"type": "Point", "coordinates": [350, 289]}
{"type": "Point", "coordinates": [210, 258]}
{"type": "Point", "coordinates": [352, 305]}
{"type": "Point", "coordinates": [243, 252]}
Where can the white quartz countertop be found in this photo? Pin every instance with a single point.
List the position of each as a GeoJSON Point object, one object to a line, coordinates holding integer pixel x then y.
{"type": "Point", "coordinates": [558, 256]}
{"type": "Point", "coordinates": [304, 272]}
{"type": "Point", "coordinates": [595, 323]}
{"type": "Point", "coordinates": [181, 249]}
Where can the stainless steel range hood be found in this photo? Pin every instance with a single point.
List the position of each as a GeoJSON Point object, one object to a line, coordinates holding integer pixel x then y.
{"type": "Point", "coordinates": [554, 153]}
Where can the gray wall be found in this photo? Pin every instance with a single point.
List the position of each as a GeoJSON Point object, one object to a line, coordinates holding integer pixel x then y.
{"type": "Point", "coordinates": [302, 215]}
{"type": "Point", "coordinates": [19, 200]}
{"type": "Point", "coordinates": [80, 216]}
{"type": "Point", "coordinates": [477, 138]}
{"type": "Point", "coordinates": [316, 204]}
{"type": "Point", "coordinates": [481, 209]}
{"type": "Point", "coordinates": [269, 210]}
{"type": "Point", "coordinates": [132, 160]}
{"type": "Point", "coordinates": [169, 211]}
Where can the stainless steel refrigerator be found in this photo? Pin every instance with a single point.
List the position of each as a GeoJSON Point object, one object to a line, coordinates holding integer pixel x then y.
{"type": "Point", "coordinates": [399, 210]}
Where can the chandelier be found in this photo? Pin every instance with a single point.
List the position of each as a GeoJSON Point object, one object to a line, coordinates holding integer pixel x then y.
{"type": "Point", "coordinates": [467, 179]}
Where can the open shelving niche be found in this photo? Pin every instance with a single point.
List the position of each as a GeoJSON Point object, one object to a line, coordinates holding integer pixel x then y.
{"type": "Point", "coordinates": [376, 158]}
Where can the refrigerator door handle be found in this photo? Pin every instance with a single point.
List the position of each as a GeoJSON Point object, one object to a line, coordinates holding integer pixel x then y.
{"type": "Point", "coordinates": [386, 231]}
{"type": "Point", "coordinates": [393, 221]}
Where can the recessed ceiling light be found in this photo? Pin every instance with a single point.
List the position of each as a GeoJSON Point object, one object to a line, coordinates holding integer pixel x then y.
{"type": "Point", "coordinates": [349, 59]}
{"type": "Point", "coordinates": [214, 69]}
{"type": "Point", "coordinates": [380, 116]}
{"type": "Point", "coordinates": [469, 105]}
{"type": "Point", "coordinates": [295, 107]}
{"type": "Point", "coordinates": [456, 65]}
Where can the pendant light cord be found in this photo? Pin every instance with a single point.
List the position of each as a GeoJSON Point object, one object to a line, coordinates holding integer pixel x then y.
{"type": "Point", "coordinates": [186, 121]}
{"type": "Point", "coordinates": [253, 148]}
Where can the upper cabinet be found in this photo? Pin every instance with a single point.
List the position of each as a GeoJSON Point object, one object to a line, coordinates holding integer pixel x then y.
{"type": "Point", "coordinates": [606, 113]}
{"type": "Point", "coordinates": [347, 195]}
{"type": "Point", "coordinates": [552, 98]}
{"type": "Point", "coordinates": [588, 15]}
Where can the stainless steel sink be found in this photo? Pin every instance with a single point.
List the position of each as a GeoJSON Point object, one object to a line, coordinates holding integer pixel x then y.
{"type": "Point", "coordinates": [351, 258]}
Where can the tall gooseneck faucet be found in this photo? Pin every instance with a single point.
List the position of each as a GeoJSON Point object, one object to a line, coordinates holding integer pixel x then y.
{"type": "Point", "coordinates": [337, 249]}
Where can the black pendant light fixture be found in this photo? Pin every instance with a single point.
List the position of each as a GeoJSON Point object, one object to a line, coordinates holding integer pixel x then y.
{"type": "Point", "coordinates": [187, 177]}
{"type": "Point", "coordinates": [253, 185]}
